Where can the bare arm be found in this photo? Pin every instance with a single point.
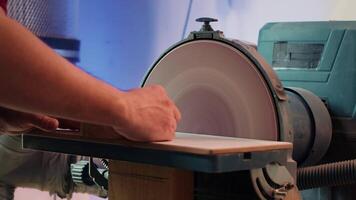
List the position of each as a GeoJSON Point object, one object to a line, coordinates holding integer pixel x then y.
{"type": "Point", "coordinates": [33, 78]}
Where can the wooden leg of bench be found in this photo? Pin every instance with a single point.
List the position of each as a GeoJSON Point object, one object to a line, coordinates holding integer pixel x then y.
{"type": "Point", "coordinates": [133, 181]}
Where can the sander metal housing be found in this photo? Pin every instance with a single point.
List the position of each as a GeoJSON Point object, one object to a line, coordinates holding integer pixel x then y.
{"type": "Point", "coordinates": [320, 57]}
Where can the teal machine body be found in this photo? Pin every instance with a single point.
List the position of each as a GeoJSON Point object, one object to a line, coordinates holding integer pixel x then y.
{"type": "Point", "coordinates": [319, 57]}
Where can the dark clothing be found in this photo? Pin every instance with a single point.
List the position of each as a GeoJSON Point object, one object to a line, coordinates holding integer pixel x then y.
{"type": "Point", "coordinates": [3, 5]}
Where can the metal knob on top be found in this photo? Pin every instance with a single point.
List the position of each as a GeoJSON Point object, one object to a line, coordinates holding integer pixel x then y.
{"type": "Point", "coordinates": [206, 26]}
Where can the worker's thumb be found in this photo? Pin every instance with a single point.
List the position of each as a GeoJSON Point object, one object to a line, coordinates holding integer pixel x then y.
{"type": "Point", "coordinates": [43, 122]}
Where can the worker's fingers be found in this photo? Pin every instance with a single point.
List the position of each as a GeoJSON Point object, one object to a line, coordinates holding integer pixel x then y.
{"type": "Point", "coordinates": [175, 110]}
{"type": "Point", "coordinates": [176, 113]}
{"type": "Point", "coordinates": [43, 122]}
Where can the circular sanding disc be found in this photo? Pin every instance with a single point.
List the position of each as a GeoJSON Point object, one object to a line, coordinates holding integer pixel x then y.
{"type": "Point", "coordinates": [218, 90]}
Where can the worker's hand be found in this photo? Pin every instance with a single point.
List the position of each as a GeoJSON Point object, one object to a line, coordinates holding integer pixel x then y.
{"type": "Point", "coordinates": [149, 115]}
{"type": "Point", "coordinates": [15, 122]}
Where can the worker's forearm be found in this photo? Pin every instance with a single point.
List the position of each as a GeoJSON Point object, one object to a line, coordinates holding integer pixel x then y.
{"type": "Point", "coordinates": [35, 79]}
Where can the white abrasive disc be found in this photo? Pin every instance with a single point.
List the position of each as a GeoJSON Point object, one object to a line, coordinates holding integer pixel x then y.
{"type": "Point", "coordinates": [218, 90]}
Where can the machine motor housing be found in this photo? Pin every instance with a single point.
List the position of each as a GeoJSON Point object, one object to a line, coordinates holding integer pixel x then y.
{"type": "Point", "coordinates": [319, 57]}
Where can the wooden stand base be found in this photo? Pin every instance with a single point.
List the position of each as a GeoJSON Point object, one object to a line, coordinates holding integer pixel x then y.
{"type": "Point", "coordinates": [133, 181]}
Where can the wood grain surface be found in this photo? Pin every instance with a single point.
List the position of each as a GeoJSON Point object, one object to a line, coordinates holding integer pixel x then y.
{"type": "Point", "coordinates": [133, 181]}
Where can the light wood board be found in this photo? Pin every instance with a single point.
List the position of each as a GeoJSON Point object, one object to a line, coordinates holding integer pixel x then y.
{"type": "Point", "coordinates": [209, 144]}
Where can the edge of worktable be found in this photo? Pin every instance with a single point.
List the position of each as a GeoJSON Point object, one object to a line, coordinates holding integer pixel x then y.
{"type": "Point", "coordinates": [185, 143]}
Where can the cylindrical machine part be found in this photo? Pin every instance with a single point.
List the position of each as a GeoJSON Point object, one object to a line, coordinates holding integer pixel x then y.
{"type": "Point", "coordinates": [311, 125]}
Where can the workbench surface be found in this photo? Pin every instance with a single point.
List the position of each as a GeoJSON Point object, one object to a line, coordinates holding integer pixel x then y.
{"type": "Point", "coordinates": [195, 152]}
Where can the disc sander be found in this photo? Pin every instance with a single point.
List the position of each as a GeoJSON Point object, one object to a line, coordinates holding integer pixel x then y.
{"type": "Point", "coordinates": [218, 90]}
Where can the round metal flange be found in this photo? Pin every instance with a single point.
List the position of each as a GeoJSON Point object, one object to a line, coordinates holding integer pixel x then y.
{"type": "Point", "coordinates": [312, 126]}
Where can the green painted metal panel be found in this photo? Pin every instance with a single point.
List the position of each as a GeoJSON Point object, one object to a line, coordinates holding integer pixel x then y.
{"type": "Point", "coordinates": [334, 78]}
{"type": "Point", "coordinates": [302, 75]}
